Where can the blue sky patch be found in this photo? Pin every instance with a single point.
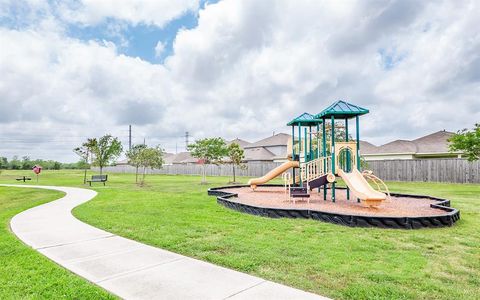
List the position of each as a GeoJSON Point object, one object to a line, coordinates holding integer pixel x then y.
{"type": "Point", "coordinates": [390, 58]}
{"type": "Point", "coordinates": [140, 40]}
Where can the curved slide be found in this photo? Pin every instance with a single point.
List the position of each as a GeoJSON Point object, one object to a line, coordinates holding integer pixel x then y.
{"type": "Point", "coordinates": [361, 189]}
{"type": "Point", "coordinates": [273, 173]}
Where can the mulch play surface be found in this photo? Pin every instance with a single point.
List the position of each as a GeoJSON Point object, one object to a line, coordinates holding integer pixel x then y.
{"type": "Point", "coordinates": [275, 197]}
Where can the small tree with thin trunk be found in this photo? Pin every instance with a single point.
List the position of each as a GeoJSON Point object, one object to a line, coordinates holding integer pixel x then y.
{"type": "Point", "coordinates": [133, 156]}
{"type": "Point", "coordinates": [84, 152]}
{"type": "Point", "coordinates": [235, 156]}
{"type": "Point", "coordinates": [150, 158]}
{"type": "Point", "coordinates": [209, 151]}
{"type": "Point", "coordinates": [105, 150]}
{"type": "Point", "coordinates": [467, 141]}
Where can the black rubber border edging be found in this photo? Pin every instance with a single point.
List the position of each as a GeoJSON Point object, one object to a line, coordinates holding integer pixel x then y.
{"type": "Point", "coordinates": [453, 215]}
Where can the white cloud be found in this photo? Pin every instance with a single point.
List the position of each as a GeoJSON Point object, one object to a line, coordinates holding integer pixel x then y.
{"type": "Point", "coordinates": [158, 12]}
{"type": "Point", "coordinates": [247, 69]}
{"type": "Point", "coordinates": [64, 90]}
{"type": "Point", "coordinates": [159, 49]}
{"type": "Point", "coordinates": [271, 61]}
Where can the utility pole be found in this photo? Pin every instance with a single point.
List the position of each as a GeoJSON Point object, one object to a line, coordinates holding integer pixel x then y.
{"type": "Point", "coordinates": [144, 141]}
{"type": "Point", "coordinates": [129, 137]}
{"type": "Point", "coordinates": [186, 140]}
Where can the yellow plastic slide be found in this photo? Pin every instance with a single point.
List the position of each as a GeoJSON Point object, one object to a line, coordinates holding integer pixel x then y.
{"type": "Point", "coordinates": [273, 173]}
{"type": "Point", "coordinates": [361, 189]}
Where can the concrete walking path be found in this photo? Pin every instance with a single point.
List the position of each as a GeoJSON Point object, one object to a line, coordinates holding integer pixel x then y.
{"type": "Point", "coordinates": [127, 268]}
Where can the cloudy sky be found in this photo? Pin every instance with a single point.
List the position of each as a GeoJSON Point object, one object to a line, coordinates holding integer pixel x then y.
{"type": "Point", "coordinates": [233, 68]}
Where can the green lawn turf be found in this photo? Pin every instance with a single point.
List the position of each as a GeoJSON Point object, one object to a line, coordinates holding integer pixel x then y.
{"type": "Point", "coordinates": [25, 273]}
{"type": "Point", "coordinates": [175, 213]}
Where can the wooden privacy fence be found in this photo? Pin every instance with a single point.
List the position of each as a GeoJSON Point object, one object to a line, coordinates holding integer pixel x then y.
{"type": "Point", "coordinates": [433, 170]}
{"type": "Point", "coordinates": [251, 169]}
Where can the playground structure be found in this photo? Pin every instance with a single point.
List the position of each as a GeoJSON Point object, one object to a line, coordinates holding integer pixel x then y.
{"type": "Point", "coordinates": [316, 158]}
{"type": "Point", "coordinates": [318, 154]}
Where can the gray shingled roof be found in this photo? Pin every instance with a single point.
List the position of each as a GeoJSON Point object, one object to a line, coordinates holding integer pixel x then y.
{"type": "Point", "coordinates": [398, 146]}
{"type": "Point", "coordinates": [183, 158]}
{"type": "Point", "coordinates": [168, 158]}
{"type": "Point", "coordinates": [241, 142]}
{"type": "Point", "coordinates": [259, 153]}
{"type": "Point", "coordinates": [367, 148]}
{"type": "Point", "coordinates": [434, 143]}
{"type": "Point", "coordinates": [279, 139]}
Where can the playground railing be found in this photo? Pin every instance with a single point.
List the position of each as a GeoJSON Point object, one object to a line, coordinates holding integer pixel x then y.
{"type": "Point", "coordinates": [381, 186]}
{"type": "Point", "coordinates": [315, 168]}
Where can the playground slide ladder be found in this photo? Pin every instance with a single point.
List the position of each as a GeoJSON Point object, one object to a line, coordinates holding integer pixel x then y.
{"type": "Point", "coordinates": [381, 186]}
{"type": "Point", "coordinates": [292, 192]}
{"type": "Point", "coordinates": [287, 180]}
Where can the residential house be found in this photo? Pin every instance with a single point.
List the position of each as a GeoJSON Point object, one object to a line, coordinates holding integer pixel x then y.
{"type": "Point", "coordinates": [184, 158]}
{"type": "Point", "coordinates": [273, 148]}
{"type": "Point", "coordinates": [434, 145]}
{"type": "Point", "coordinates": [240, 142]}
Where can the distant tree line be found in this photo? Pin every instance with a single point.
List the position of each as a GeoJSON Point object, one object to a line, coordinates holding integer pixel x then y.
{"type": "Point", "coordinates": [25, 163]}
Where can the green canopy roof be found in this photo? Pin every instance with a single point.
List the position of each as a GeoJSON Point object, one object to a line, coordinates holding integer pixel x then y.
{"type": "Point", "coordinates": [304, 119]}
{"type": "Point", "coordinates": [341, 110]}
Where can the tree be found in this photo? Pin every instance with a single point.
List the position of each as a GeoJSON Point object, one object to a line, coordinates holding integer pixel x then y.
{"type": "Point", "coordinates": [57, 165]}
{"type": "Point", "coordinates": [3, 163]}
{"type": "Point", "coordinates": [467, 141]}
{"type": "Point", "coordinates": [27, 163]}
{"type": "Point", "coordinates": [85, 152]}
{"type": "Point", "coordinates": [81, 164]}
{"type": "Point", "coordinates": [340, 136]}
{"type": "Point", "coordinates": [209, 151]}
{"type": "Point", "coordinates": [235, 155]}
{"type": "Point", "coordinates": [133, 156]}
{"type": "Point", "coordinates": [105, 150]}
{"type": "Point", "coordinates": [150, 158]}
{"type": "Point", "coordinates": [15, 163]}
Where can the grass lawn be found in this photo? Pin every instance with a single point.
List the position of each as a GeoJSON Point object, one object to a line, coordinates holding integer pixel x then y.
{"type": "Point", "coordinates": [175, 213]}
{"type": "Point", "coordinates": [25, 273]}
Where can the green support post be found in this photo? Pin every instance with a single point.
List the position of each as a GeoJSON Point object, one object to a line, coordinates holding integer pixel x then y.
{"type": "Point", "coordinates": [324, 154]}
{"type": "Point", "coordinates": [305, 146]}
{"type": "Point", "coordinates": [318, 149]}
{"type": "Point", "coordinates": [310, 141]}
{"type": "Point", "coordinates": [299, 152]}
{"type": "Point", "coordinates": [333, 156]}
{"type": "Point", "coordinates": [293, 152]}
{"type": "Point", "coordinates": [348, 156]}
{"type": "Point", "coordinates": [357, 128]}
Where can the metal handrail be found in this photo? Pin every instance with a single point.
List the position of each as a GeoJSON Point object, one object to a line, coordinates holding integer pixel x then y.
{"type": "Point", "coordinates": [368, 174]}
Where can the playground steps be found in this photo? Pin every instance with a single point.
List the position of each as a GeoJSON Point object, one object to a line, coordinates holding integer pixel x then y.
{"type": "Point", "coordinates": [299, 192]}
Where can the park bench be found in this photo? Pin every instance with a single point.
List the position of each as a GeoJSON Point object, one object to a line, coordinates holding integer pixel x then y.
{"type": "Point", "coordinates": [98, 178]}
{"type": "Point", "coordinates": [23, 178]}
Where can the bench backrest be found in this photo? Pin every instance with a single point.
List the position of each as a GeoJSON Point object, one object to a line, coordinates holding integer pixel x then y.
{"type": "Point", "coordinates": [99, 177]}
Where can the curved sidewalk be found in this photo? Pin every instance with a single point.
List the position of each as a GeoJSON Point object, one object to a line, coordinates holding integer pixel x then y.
{"type": "Point", "coordinates": [130, 269]}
